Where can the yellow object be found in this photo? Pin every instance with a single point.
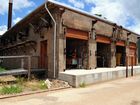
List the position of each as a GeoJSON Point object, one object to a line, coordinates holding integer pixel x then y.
{"type": "Point", "coordinates": [118, 58]}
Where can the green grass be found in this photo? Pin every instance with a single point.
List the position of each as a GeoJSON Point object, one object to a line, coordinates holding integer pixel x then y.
{"type": "Point", "coordinates": [2, 69]}
{"type": "Point", "coordinates": [21, 85]}
{"type": "Point", "coordinates": [21, 80]}
{"type": "Point", "coordinates": [11, 89]}
{"type": "Point", "coordinates": [42, 85]}
{"type": "Point", "coordinates": [82, 85]}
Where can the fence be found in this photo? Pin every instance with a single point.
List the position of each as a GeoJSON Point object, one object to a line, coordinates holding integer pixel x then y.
{"type": "Point", "coordinates": [24, 62]}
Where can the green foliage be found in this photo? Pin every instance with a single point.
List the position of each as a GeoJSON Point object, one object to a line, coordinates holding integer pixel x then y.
{"type": "Point", "coordinates": [2, 69]}
{"type": "Point", "coordinates": [100, 15]}
{"type": "Point", "coordinates": [12, 89]}
{"type": "Point", "coordinates": [82, 85]}
{"type": "Point", "coordinates": [43, 85]}
{"type": "Point", "coordinates": [21, 80]}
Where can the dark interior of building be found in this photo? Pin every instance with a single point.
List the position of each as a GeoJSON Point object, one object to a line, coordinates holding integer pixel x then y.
{"type": "Point", "coordinates": [76, 53]}
{"type": "Point", "coordinates": [103, 55]}
{"type": "Point", "coordinates": [120, 56]}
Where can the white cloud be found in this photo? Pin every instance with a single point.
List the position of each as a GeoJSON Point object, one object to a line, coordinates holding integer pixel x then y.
{"type": "Point", "coordinates": [77, 4]}
{"type": "Point", "coordinates": [23, 4]}
{"type": "Point", "coordinates": [17, 5]}
{"type": "Point", "coordinates": [135, 28]}
{"type": "Point", "coordinates": [112, 10]}
{"type": "Point", "coordinates": [118, 11]}
{"type": "Point", "coordinates": [3, 29]}
{"type": "Point", "coordinates": [17, 20]}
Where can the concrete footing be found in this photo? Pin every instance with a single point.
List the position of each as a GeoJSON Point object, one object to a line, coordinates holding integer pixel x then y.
{"type": "Point", "coordinates": [77, 77]}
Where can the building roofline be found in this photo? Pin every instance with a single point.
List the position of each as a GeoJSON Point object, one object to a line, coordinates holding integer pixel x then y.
{"type": "Point", "coordinates": [69, 8]}
{"type": "Point", "coordinates": [88, 14]}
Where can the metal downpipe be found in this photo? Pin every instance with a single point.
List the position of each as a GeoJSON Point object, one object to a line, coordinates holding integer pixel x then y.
{"type": "Point", "coordinates": [54, 75]}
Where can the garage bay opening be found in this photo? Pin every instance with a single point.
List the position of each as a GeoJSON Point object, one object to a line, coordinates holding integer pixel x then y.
{"type": "Point", "coordinates": [103, 55]}
{"type": "Point", "coordinates": [120, 56]}
{"type": "Point", "coordinates": [76, 53]}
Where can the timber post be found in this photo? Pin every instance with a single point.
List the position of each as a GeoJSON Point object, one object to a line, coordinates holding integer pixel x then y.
{"type": "Point", "coordinates": [132, 66]}
{"type": "Point", "coordinates": [29, 68]}
{"type": "Point", "coordinates": [126, 66]}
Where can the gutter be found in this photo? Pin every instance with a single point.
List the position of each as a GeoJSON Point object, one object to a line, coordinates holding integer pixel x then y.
{"type": "Point", "coordinates": [54, 69]}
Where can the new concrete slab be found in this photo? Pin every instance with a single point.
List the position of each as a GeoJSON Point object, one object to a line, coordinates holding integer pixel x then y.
{"type": "Point", "coordinates": [78, 76]}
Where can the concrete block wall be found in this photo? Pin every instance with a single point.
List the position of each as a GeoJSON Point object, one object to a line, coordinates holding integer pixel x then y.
{"type": "Point", "coordinates": [92, 78]}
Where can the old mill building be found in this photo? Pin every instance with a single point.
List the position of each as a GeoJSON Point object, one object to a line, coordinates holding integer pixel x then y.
{"type": "Point", "coordinates": [59, 38]}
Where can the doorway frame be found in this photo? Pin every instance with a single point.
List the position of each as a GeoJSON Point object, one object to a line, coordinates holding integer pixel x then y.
{"type": "Point", "coordinates": [43, 64]}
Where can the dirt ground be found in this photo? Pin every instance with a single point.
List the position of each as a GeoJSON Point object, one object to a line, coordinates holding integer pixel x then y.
{"type": "Point", "coordinates": [118, 92]}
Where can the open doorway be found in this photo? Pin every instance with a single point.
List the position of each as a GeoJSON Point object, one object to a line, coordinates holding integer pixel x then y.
{"type": "Point", "coordinates": [103, 55]}
{"type": "Point", "coordinates": [120, 56]}
{"type": "Point", "coordinates": [76, 53]}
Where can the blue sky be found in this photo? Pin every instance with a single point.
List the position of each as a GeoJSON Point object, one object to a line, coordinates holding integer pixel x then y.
{"type": "Point", "coordinates": [114, 10]}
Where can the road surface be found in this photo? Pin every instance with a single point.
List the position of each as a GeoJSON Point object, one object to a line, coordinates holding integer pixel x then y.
{"type": "Point", "coordinates": [118, 92]}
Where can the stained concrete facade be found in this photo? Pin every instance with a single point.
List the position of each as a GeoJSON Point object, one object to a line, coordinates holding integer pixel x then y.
{"type": "Point", "coordinates": [39, 30]}
{"type": "Point", "coordinates": [87, 77]}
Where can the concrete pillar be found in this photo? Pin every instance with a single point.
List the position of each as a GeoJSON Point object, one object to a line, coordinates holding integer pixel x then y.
{"type": "Point", "coordinates": [61, 54]}
{"type": "Point", "coordinates": [113, 55]}
{"type": "Point", "coordinates": [61, 44]}
{"type": "Point", "coordinates": [50, 51]}
{"type": "Point", "coordinates": [92, 54]}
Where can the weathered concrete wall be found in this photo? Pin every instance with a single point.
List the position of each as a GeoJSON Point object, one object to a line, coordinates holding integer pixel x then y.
{"type": "Point", "coordinates": [81, 22]}
{"type": "Point", "coordinates": [103, 29]}
{"type": "Point", "coordinates": [93, 77]}
{"type": "Point", "coordinates": [113, 55]}
{"type": "Point", "coordinates": [133, 38]}
{"type": "Point", "coordinates": [92, 54]}
{"type": "Point", "coordinates": [76, 21]}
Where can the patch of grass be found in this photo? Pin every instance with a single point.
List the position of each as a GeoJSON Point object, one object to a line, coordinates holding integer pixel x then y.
{"type": "Point", "coordinates": [32, 85]}
{"type": "Point", "coordinates": [43, 85]}
{"type": "Point", "coordinates": [11, 89]}
{"type": "Point", "coordinates": [21, 80]}
{"type": "Point", "coordinates": [82, 85]}
{"type": "Point", "coordinates": [2, 69]}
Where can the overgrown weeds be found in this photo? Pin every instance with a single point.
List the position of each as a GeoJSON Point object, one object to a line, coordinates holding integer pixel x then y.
{"type": "Point", "coordinates": [21, 80]}
{"type": "Point", "coordinates": [2, 69]}
{"type": "Point", "coordinates": [43, 85]}
{"type": "Point", "coordinates": [10, 89]}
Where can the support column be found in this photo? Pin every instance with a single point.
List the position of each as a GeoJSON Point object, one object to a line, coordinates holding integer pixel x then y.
{"type": "Point", "coordinates": [113, 54]}
{"type": "Point", "coordinates": [92, 54]}
{"type": "Point", "coordinates": [50, 51]}
{"type": "Point", "coordinates": [61, 54]}
{"type": "Point", "coordinates": [61, 44]}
